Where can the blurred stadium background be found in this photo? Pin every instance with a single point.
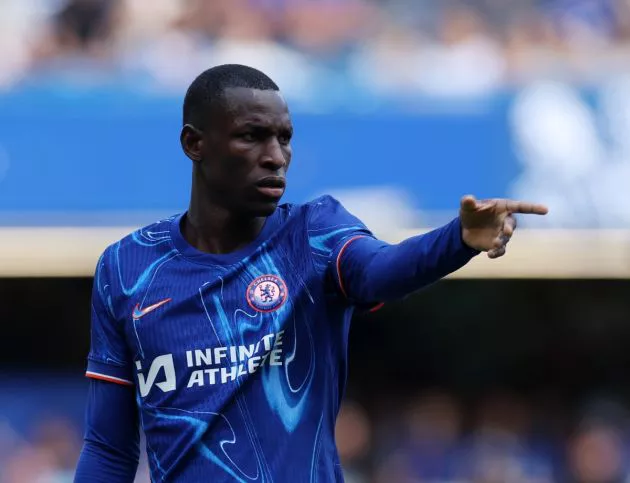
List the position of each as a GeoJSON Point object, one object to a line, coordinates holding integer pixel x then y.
{"type": "Point", "coordinates": [514, 371]}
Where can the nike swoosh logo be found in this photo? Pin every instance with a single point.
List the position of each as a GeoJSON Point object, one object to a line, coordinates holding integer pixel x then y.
{"type": "Point", "coordinates": [138, 312]}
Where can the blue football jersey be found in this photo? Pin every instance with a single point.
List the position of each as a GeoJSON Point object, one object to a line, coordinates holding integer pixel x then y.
{"type": "Point", "coordinates": [238, 360]}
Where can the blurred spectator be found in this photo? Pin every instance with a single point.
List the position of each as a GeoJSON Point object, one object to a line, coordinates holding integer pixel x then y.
{"type": "Point", "coordinates": [499, 450]}
{"type": "Point", "coordinates": [49, 456]}
{"type": "Point", "coordinates": [81, 28]}
{"type": "Point", "coordinates": [353, 434]}
{"type": "Point", "coordinates": [596, 455]}
{"type": "Point", "coordinates": [466, 59]}
{"type": "Point", "coordinates": [325, 27]}
{"type": "Point", "coordinates": [20, 23]}
{"type": "Point", "coordinates": [584, 23]}
{"type": "Point", "coordinates": [428, 448]}
{"type": "Point", "coordinates": [393, 47]}
{"type": "Point", "coordinates": [596, 451]}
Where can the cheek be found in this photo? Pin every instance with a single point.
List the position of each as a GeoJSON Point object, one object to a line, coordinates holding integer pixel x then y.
{"type": "Point", "coordinates": [221, 174]}
{"type": "Point", "coordinates": [236, 170]}
{"type": "Point", "coordinates": [288, 155]}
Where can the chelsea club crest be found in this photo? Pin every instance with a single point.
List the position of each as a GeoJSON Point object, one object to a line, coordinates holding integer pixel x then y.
{"type": "Point", "coordinates": [266, 293]}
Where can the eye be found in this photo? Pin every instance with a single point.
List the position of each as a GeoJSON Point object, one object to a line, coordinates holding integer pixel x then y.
{"type": "Point", "coordinates": [285, 138]}
{"type": "Point", "coordinates": [248, 137]}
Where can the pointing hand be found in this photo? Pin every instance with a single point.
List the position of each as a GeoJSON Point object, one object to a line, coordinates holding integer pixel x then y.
{"type": "Point", "coordinates": [488, 225]}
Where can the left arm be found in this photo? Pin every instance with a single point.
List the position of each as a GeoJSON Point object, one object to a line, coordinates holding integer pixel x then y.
{"type": "Point", "coordinates": [369, 270]}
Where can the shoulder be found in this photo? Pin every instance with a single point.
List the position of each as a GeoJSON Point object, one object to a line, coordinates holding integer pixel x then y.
{"type": "Point", "coordinates": [325, 202]}
{"type": "Point", "coordinates": [138, 248]}
{"type": "Point", "coordinates": [329, 222]}
{"type": "Point", "coordinates": [321, 207]}
{"type": "Point", "coordinates": [305, 211]}
{"type": "Point", "coordinates": [152, 235]}
{"type": "Point", "coordinates": [326, 212]}
{"type": "Point", "coordinates": [318, 214]}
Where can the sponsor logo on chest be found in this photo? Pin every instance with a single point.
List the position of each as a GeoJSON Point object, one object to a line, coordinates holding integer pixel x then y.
{"type": "Point", "coordinates": [218, 365]}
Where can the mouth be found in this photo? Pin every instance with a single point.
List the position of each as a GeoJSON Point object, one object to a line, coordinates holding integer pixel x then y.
{"type": "Point", "coordinates": [271, 186]}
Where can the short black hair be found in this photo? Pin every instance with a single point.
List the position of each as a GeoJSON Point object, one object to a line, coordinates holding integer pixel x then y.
{"type": "Point", "coordinates": [208, 88]}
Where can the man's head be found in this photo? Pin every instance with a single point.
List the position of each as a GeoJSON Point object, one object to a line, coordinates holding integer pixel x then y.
{"type": "Point", "coordinates": [237, 131]}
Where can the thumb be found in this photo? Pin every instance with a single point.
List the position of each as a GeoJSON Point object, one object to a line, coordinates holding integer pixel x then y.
{"type": "Point", "coordinates": [468, 203]}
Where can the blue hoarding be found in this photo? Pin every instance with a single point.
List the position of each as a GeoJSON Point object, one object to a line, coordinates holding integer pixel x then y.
{"type": "Point", "coordinates": [90, 154]}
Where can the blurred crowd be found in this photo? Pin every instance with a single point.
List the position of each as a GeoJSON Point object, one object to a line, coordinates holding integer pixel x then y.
{"type": "Point", "coordinates": [434, 437]}
{"type": "Point", "coordinates": [392, 47]}
{"type": "Point", "coordinates": [498, 438]}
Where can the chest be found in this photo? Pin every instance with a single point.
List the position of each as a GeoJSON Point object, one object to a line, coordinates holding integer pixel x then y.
{"type": "Point", "coordinates": [211, 315]}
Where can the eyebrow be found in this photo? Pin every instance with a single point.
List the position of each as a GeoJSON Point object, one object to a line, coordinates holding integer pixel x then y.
{"type": "Point", "coordinates": [262, 125]}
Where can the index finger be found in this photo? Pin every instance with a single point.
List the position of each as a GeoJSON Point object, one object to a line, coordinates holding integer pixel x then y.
{"type": "Point", "coordinates": [524, 207]}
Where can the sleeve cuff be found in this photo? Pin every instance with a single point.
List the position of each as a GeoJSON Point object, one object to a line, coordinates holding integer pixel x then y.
{"type": "Point", "coordinates": [458, 239]}
{"type": "Point", "coordinates": [109, 372]}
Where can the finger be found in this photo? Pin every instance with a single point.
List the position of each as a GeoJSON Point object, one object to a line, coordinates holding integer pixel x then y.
{"type": "Point", "coordinates": [497, 252]}
{"type": "Point", "coordinates": [509, 225]}
{"type": "Point", "coordinates": [468, 203]}
{"type": "Point", "coordinates": [499, 241]}
{"type": "Point", "coordinates": [524, 207]}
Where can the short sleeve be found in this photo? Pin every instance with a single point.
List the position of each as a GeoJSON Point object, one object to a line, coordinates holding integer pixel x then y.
{"type": "Point", "coordinates": [331, 229]}
{"type": "Point", "coordinates": [108, 359]}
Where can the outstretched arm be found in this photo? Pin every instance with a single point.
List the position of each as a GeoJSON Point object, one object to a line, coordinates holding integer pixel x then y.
{"type": "Point", "coordinates": [111, 442]}
{"type": "Point", "coordinates": [370, 270]}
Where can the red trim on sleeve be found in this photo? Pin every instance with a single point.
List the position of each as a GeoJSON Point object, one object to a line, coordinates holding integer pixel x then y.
{"type": "Point", "coordinates": [343, 249]}
{"type": "Point", "coordinates": [103, 377]}
{"type": "Point", "coordinates": [377, 307]}
{"type": "Point", "coordinates": [343, 290]}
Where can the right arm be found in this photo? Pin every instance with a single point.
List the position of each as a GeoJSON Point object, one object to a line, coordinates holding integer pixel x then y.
{"type": "Point", "coordinates": [111, 443]}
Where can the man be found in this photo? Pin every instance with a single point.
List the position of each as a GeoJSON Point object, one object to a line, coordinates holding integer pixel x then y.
{"type": "Point", "coordinates": [222, 331]}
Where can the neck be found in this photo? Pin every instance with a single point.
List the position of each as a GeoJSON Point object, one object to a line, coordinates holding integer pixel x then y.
{"type": "Point", "coordinates": [212, 228]}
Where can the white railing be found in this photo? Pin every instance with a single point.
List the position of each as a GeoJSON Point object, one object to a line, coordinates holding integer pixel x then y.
{"type": "Point", "coordinates": [73, 251]}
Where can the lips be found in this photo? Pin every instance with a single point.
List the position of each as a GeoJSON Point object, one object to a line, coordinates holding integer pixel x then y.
{"type": "Point", "coordinates": [272, 182]}
{"type": "Point", "coordinates": [271, 186]}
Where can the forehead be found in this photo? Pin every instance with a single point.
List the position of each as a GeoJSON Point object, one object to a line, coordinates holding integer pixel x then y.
{"type": "Point", "coordinates": [244, 105]}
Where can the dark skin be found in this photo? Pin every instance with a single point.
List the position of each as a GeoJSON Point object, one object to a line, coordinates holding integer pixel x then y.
{"type": "Point", "coordinates": [245, 143]}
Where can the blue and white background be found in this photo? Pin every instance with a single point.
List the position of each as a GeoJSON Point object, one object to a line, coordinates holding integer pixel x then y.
{"type": "Point", "coordinates": [106, 157]}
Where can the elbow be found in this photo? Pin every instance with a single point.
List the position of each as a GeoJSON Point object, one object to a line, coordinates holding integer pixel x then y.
{"type": "Point", "coordinates": [377, 277]}
{"type": "Point", "coordinates": [102, 463]}
{"type": "Point", "coordinates": [122, 456]}
{"type": "Point", "coordinates": [391, 274]}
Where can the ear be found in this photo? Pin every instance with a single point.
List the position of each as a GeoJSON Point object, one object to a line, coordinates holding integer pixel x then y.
{"type": "Point", "coordinates": [191, 140]}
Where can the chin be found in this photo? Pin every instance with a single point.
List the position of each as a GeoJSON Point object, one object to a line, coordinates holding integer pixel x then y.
{"type": "Point", "coordinates": [263, 208]}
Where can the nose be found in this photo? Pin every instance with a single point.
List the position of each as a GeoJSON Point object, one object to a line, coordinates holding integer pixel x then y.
{"type": "Point", "coordinates": [274, 156]}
